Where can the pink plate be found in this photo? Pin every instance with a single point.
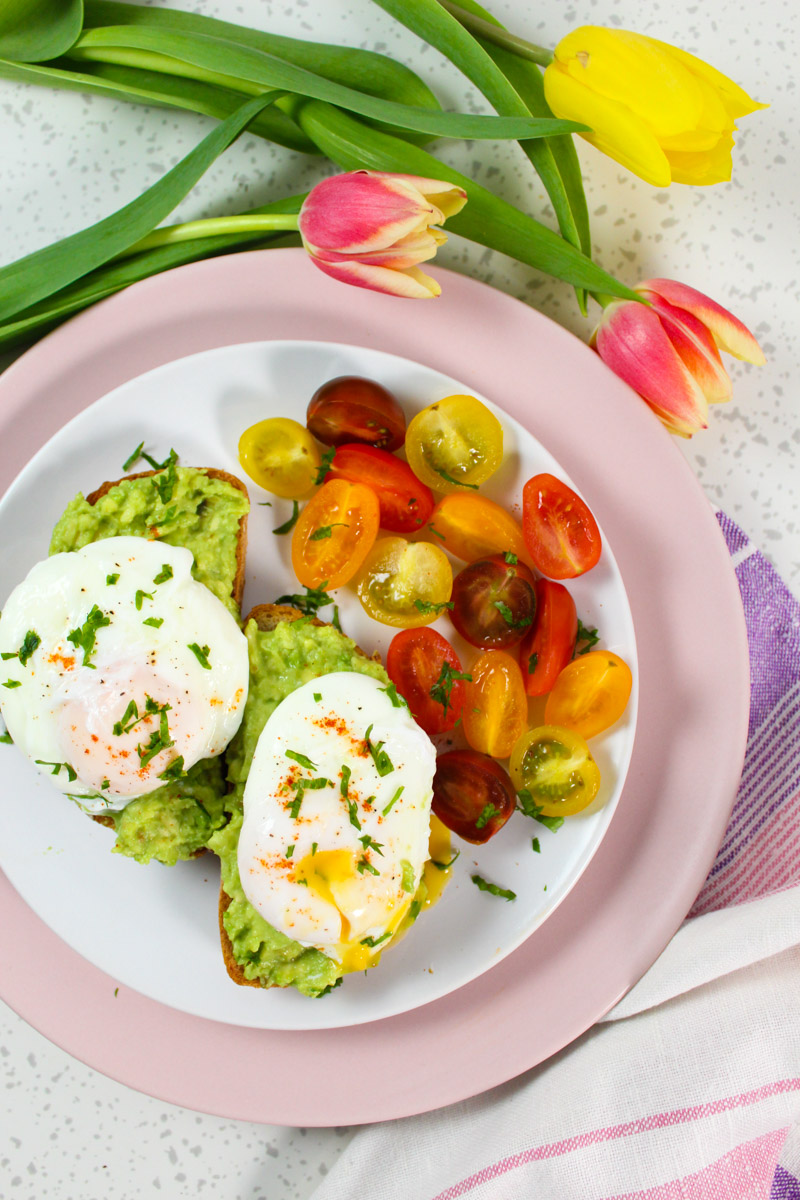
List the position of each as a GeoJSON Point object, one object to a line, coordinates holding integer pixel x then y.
{"type": "Point", "coordinates": [687, 754]}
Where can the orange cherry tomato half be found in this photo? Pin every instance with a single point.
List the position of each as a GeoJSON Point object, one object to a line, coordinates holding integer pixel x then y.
{"type": "Point", "coordinates": [548, 646]}
{"type": "Point", "coordinates": [405, 503]}
{"type": "Point", "coordinates": [473, 527]}
{"type": "Point", "coordinates": [404, 583]}
{"type": "Point", "coordinates": [495, 710]}
{"type": "Point", "coordinates": [353, 409]}
{"type": "Point", "coordinates": [472, 795]}
{"type": "Point", "coordinates": [334, 534]}
{"type": "Point", "coordinates": [560, 532]}
{"type": "Point", "coordinates": [427, 673]}
{"type": "Point", "coordinates": [555, 768]}
{"type": "Point", "coordinates": [590, 694]}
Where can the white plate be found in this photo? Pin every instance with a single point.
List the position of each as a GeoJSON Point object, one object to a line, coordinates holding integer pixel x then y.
{"type": "Point", "coordinates": [154, 928]}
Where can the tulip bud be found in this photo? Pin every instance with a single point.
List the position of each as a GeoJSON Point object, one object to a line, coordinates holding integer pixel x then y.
{"type": "Point", "coordinates": [664, 114]}
{"type": "Point", "coordinates": [668, 350]}
{"type": "Point", "coordinates": [372, 229]}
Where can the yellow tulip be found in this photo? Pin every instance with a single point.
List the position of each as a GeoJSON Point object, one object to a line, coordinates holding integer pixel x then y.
{"type": "Point", "coordinates": [664, 114]}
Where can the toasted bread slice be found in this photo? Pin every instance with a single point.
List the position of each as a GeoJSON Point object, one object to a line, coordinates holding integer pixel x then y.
{"type": "Point", "coordinates": [266, 617]}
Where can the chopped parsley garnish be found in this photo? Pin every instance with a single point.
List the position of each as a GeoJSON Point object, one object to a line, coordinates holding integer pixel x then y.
{"type": "Point", "coordinates": [325, 465]}
{"type": "Point", "coordinates": [170, 514]}
{"type": "Point", "coordinates": [140, 452]}
{"type": "Point", "coordinates": [383, 764]}
{"type": "Point", "coordinates": [174, 771]}
{"type": "Point", "coordinates": [6, 738]}
{"type": "Point", "coordinates": [484, 886]}
{"type": "Point", "coordinates": [201, 654]}
{"type": "Point", "coordinates": [407, 882]}
{"type": "Point", "coordinates": [72, 774]}
{"type": "Point", "coordinates": [394, 798]}
{"type": "Point", "coordinates": [335, 619]}
{"type": "Point", "coordinates": [289, 525]}
{"type": "Point", "coordinates": [265, 504]}
{"type": "Point", "coordinates": [373, 942]}
{"type": "Point", "coordinates": [164, 574]}
{"type": "Point", "coordinates": [131, 459]}
{"type": "Point", "coordinates": [131, 717]}
{"type": "Point", "coordinates": [529, 808]}
{"type": "Point", "coordinates": [427, 606]}
{"type": "Point", "coordinates": [141, 596]}
{"type": "Point", "coordinates": [12, 683]}
{"type": "Point", "coordinates": [325, 531]}
{"type": "Point", "coordinates": [159, 740]}
{"type": "Point", "coordinates": [436, 533]}
{"type": "Point", "coordinates": [364, 864]}
{"type": "Point", "coordinates": [537, 849]}
{"type": "Point", "coordinates": [508, 616]}
{"type": "Point", "coordinates": [510, 558]}
{"type": "Point", "coordinates": [290, 850]}
{"type": "Point", "coordinates": [83, 638]}
{"type": "Point", "coordinates": [368, 844]}
{"type": "Point", "coordinates": [156, 622]}
{"type": "Point", "coordinates": [440, 692]}
{"type": "Point", "coordinates": [294, 807]}
{"type": "Point", "coordinates": [304, 785]}
{"type": "Point", "coordinates": [112, 579]}
{"type": "Point", "coordinates": [440, 866]}
{"type": "Point", "coordinates": [414, 910]}
{"type": "Point", "coordinates": [584, 639]}
{"type": "Point", "coordinates": [105, 785]}
{"type": "Point", "coordinates": [29, 644]}
{"type": "Point", "coordinates": [303, 759]}
{"type": "Point", "coordinates": [451, 479]}
{"type": "Point", "coordinates": [352, 811]}
{"type": "Point", "coordinates": [532, 661]}
{"type": "Point", "coordinates": [314, 848]}
{"type": "Point", "coordinates": [317, 697]}
{"type": "Point", "coordinates": [168, 477]}
{"type": "Point", "coordinates": [397, 700]}
{"type": "Point", "coordinates": [487, 812]}
{"type": "Point", "coordinates": [311, 602]}
{"type": "Point", "coordinates": [346, 773]}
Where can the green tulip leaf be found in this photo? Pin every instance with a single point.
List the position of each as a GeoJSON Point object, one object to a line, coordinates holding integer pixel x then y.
{"type": "Point", "coordinates": [218, 61]}
{"type": "Point", "coordinates": [29, 279]}
{"type": "Point", "coordinates": [36, 30]}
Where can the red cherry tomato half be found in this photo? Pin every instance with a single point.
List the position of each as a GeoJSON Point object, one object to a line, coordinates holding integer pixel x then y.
{"type": "Point", "coordinates": [406, 504]}
{"type": "Point", "coordinates": [427, 673]}
{"type": "Point", "coordinates": [549, 644]}
{"type": "Point", "coordinates": [493, 602]}
{"type": "Point", "coordinates": [472, 795]}
{"type": "Point", "coordinates": [560, 532]}
{"type": "Point", "coordinates": [352, 409]}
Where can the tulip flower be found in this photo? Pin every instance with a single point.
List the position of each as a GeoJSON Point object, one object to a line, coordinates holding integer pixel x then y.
{"type": "Point", "coordinates": [668, 350]}
{"type": "Point", "coordinates": [372, 229]}
{"type": "Point", "coordinates": [664, 114]}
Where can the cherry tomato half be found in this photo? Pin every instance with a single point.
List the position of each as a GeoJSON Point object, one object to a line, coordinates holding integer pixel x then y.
{"type": "Point", "coordinates": [281, 456]}
{"type": "Point", "coordinates": [472, 527]}
{"type": "Point", "coordinates": [404, 583]}
{"type": "Point", "coordinates": [406, 504]}
{"type": "Point", "coordinates": [353, 409]}
{"type": "Point", "coordinates": [495, 704]}
{"type": "Point", "coordinates": [427, 673]}
{"type": "Point", "coordinates": [454, 444]}
{"type": "Point", "coordinates": [334, 534]}
{"type": "Point", "coordinates": [555, 767]}
{"type": "Point", "coordinates": [560, 531]}
{"type": "Point", "coordinates": [590, 694]}
{"type": "Point", "coordinates": [472, 795]}
{"type": "Point", "coordinates": [549, 643]}
{"type": "Point", "coordinates": [494, 602]}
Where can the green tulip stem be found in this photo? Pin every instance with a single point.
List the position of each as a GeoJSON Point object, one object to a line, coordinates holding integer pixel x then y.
{"type": "Point", "coordinates": [212, 227]}
{"type": "Point", "coordinates": [499, 36]}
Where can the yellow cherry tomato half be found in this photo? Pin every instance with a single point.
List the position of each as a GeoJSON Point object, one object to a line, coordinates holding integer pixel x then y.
{"type": "Point", "coordinates": [591, 693]}
{"type": "Point", "coordinates": [473, 527]}
{"type": "Point", "coordinates": [454, 444]}
{"type": "Point", "coordinates": [281, 456]}
{"type": "Point", "coordinates": [495, 711]}
{"type": "Point", "coordinates": [405, 583]}
{"type": "Point", "coordinates": [554, 766]}
{"type": "Point", "coordinates": [335, 533]}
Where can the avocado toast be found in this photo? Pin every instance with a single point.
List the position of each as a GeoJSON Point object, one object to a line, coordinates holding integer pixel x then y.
{"type": "Point", "coordinates": [205, 511]}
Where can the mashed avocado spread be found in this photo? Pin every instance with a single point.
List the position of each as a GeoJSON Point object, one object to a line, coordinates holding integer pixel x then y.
{"type": "Point", "coordinates": [185, 507]}
{"type": "Point", "coordinates": [281, 660]}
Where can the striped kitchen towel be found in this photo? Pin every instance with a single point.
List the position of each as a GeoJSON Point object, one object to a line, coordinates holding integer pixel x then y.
{"type": "Point", "coordinates": [690, 1088]}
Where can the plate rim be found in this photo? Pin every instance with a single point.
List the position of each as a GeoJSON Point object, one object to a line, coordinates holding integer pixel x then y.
{"type": "Point", "coordinates": [230, 294]}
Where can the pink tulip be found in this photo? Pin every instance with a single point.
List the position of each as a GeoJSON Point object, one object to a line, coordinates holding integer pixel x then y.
{"type": "Point", "coordinates": [372, 229]}
{"type": "Point", "coordinates": [668, 350]}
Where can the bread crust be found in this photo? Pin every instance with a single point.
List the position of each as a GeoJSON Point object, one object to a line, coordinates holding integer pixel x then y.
{"type": "Point", "coordinates": [237, 591]}
{"type": "Point", "coordinates": [267, 617]}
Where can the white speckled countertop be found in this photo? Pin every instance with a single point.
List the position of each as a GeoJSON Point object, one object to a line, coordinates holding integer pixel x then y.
{"type": "Point", "coordinates": [68, 160]}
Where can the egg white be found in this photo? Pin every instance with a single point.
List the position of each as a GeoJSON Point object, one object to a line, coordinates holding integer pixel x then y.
{"type": "Point", "coordinates": [312, 869]}
{"type": "Point", "coordinates": [62, 701]}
